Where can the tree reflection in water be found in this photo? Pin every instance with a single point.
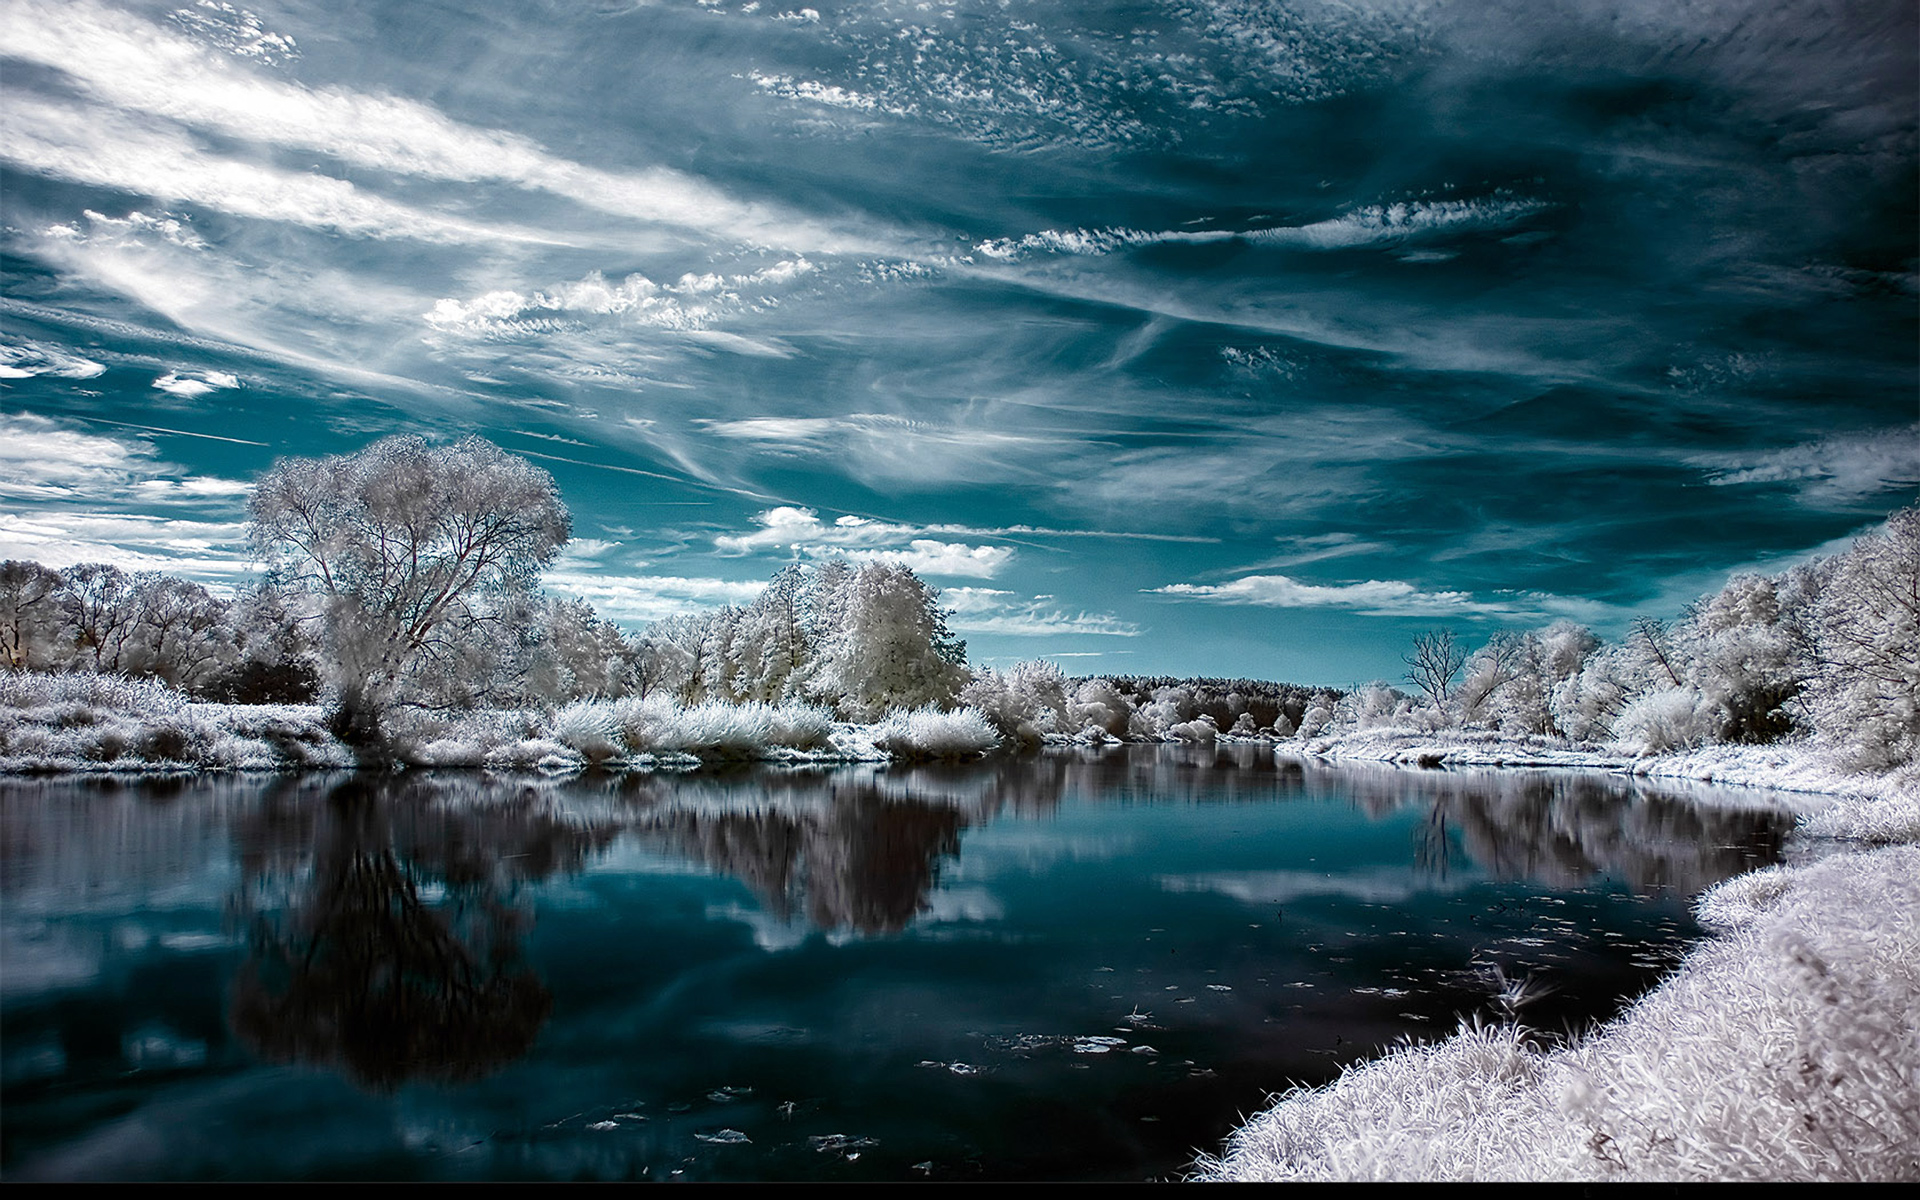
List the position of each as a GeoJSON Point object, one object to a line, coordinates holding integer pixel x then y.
{"type": "Point", "coordinates": [400, 954]}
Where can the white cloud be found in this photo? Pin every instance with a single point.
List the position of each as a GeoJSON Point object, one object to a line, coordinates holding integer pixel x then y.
{"type": "Point", "coordinates": [1837, 470]}
{"type": "Point", "coordinates": [690, 303]}
{"type": "Point", "coordinates": [863, 539]}
{"type": "Point", "coordinates": [897, 449]}
{"type": "Point", "coordinates": [928, 557]}
{"type": "Point", "coordinates": [41, 460]}
{"type": "Point", "coordinates": [91, 145]}
{"type": "Point", "coordinates": [139, 66]}
{"type": "Point", "coordinates": [646, 598]}
{"type": "Point", "coordinates": [1374, 225]}
{"type": "Point", "coordinates": [198, 384]}
{"type": "Point", "coordinates": [996, 611]}
{"type": "Point", "coordinates": [1380, 596]}
{"type": "Point", "coordinates": [205, 550]}
{"type": "Point", "coordinates": [28, 359]}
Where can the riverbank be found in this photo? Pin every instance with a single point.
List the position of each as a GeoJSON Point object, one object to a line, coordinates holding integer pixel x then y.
{"type": "Point", "coordinates": [105, 723]}
{"type": "Point", "coordinates": [1782, 1048]}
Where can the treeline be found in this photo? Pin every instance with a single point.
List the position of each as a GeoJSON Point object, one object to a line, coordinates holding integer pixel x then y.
{"type": "Point", "coordinates": [146, 625]}
{"type": "Point", "coordinates": [1829, 649]}
{"type": "Point", "coordinates": [860, 641]}
{"type": "Point", "coordinates": [1035, 700]}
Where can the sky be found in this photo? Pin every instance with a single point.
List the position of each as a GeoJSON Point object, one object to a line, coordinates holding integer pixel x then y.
{"type": "Point", "coordinates": [1208, 337]}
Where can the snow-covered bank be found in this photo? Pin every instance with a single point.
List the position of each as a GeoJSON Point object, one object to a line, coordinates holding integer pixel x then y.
{"type": "Point", "coordinates": [104, 723]}
{"type": "Point", "coordinates": [1872, 807]}
{"type": "Point", "coordinates": [1786, 1048]}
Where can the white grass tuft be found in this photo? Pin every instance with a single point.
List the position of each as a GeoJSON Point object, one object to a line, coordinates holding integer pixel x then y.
{"type": "Point", "coordinates": [929, 733]}
{"type": "Point", "coordinates": [1787, 1049]}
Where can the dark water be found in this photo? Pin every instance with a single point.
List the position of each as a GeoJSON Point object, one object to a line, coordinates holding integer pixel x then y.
{"type": "Point", "coordinates": [1083, 965]}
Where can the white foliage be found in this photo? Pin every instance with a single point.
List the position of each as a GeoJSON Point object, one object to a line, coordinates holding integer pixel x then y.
{"type": "Point", "coordinates": [932, 733]}
{"type": "Point", "coordinates": [1867, 695]}
{"type": "Point", "coordinates": [1784, 1050]}
{"type": "Point", "coordinates": [1676, 718]}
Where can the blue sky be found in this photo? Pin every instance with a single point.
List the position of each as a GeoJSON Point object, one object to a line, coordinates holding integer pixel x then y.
{"type": "Point", "coordinates": [1204, 337]}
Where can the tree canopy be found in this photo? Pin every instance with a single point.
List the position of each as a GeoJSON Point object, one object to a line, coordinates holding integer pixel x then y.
{"type": "Point", "coordinates": [398, 543]}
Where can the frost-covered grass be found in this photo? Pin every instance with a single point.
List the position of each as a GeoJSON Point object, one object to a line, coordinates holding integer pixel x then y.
{"type": "Point", "coordinates": [927, 733]}
{"type": "Point", "coordinates": [1871, 807]}
{"type": "Point", "coordinates": [89, 722]}
{"type": "Point", "coordinates": [1788, 1048]}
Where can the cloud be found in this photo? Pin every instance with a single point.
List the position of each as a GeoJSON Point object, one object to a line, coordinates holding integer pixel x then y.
{"type": "Point", "coordinates": [91, 145]}
{"type": "Point", "coordinates": [192, 385]}
{"type": "Point", "coordinates": [41, 460]}
{"type": "Point", "coordinates": [862, 540]}
{"type": "Point", "coordinates": [1836, 471]}
{"type": "Point", "coordinates": [647, 598]}
{"type": "Point", "coordinates": [206, 550]}
{"type": "Point", "coordinates": [996, 611]}
{"type": "Point", "coordinates": [142, 67]}
{"type": "Point", "coordinates": [928, 557]}
{"type": "Point", "coordinates": [1372, 225]}
{"type": "Point", "coordinates": [28, 359]}
{"type": "Point", "coordinates": [1376, 596]}
{"type": "Point", "coordinates": [882, 446]}
{"type": "Point", "coordinates": [690, 303]}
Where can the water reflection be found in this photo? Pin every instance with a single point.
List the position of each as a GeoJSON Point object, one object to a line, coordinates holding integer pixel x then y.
{"type": "Point", "coordinates": [1124, 947]}
{"type": "Point", "coordinates": [400, 952]}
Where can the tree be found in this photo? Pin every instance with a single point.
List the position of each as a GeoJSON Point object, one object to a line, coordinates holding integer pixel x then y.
{"type": "Point", "coordinates": [891, 649]}
{"type": "Point", "coordinates": [30, 613]}
{"type": "Point", "coordinates": [102, 613]}
{"type": "Point", "coordinates": [395, 546]}
{"type": "Point", "coordinates": [1435, 660]}
{"type": "Point", "coordinates": [1867, 692]}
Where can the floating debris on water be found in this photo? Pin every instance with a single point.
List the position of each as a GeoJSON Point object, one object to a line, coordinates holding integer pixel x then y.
{"type": "Point", "coordinates": [1218, 987]}
{"type": "Point", "coordinates": [725, 1137]}
{"type": "Point", "coordinates": [847, 1144]}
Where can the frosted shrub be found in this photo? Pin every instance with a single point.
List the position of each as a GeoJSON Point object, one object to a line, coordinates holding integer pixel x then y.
{"type": "Point", "coordinates": [1669, 719]}
{"type": "Point", "coordinates": [645, 724]}
{"type": "Point", "coordinates": [801, 727]}
{"type": "Point", "coordinates": [1371, 706]}
{"type": "Point", "coordinates": [590, 727]}
{"type": "Point", "coordinates": [1314, 721]}
{"type": "Point", "coordinates": [1098, 704]}
{"type": "Point", "coordinates": [930, 733]}
{"type": "Point", "coordinates": [714, 730]}
{"type": "Point", "coordinates": [1200, 729]}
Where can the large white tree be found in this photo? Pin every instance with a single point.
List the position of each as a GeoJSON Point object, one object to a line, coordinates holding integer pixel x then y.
{"type": "Point", "coordinates": [1867, 693]}
{"type": "Point", "coordinates": [403, 547]}
{"type": "Point", "coordinates": [890, 648]}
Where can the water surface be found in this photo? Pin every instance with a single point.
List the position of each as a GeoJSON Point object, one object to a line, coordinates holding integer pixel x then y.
{"type": "Point", "coordinates": [1081, 965]}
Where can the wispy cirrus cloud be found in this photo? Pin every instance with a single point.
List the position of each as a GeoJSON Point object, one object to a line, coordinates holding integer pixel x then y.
{"type": "Point", "coordinates": [895, 449]}
{"type": "Point", "coordinates": [998, 611]}
{"type": "Point", "coordinates": [139, 66]}
{"type": "Point", "coordinates": [93, 145]}
{"type": "Point", "coordinates": [1839, 470]}
{"type": "Point", "coordinates": [42, 459]}
{"type": "Point", "coordinates": [1370, 225]}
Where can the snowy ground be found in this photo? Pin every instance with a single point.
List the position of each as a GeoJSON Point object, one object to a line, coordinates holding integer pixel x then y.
{"type": "Point", "coordinates": [99, 723]}
{"type": "Point", "coordinates": [1787, 1047]}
